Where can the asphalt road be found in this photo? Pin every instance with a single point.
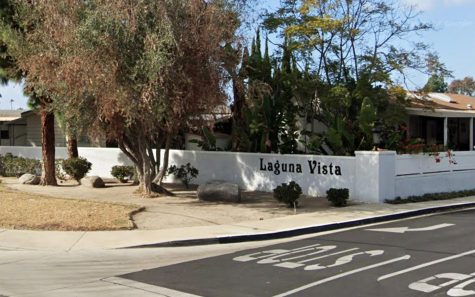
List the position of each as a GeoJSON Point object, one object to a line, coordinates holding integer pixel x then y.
{"type": "Point", "coordinates": [428, 256]}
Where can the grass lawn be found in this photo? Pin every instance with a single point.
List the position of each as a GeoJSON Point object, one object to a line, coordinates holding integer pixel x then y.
{"type": "Point", "coordinates": [19, 210]}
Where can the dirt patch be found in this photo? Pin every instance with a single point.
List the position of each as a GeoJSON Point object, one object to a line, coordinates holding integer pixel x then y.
{"type": "Point", "coordinates": [181, 210]}
{"type": "Point", "coordinates": [20, 210]}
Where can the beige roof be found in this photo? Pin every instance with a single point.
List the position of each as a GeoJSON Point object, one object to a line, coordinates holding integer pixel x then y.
{"type": "Point", "coordinates": [10, 115]}
{"type": "Point", "coordinates": [446, 101]}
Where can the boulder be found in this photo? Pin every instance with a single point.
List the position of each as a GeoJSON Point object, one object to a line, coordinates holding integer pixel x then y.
{"type": "Point", "coordinates": [219, 191]}
{"type": "Point", "coordinates": [93, 182]}
{"type": "Point", "coordinates": [29, 179]}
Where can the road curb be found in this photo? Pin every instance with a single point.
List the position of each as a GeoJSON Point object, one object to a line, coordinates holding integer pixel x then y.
{"type": "Point", "coordinates": [279, 234]}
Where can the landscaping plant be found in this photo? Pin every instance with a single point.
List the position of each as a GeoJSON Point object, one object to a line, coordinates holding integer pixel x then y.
{"type": "Point", "coordinates": [185, 173]}
{"type": "Point", "coordinates": [60, 174]}
{"type": "Point", "coordinates": [288, 193]}
{"type": "Point", "coordinates": [432, 197]}
{"type": "Point", "coordinates": [77, 168]}
{"type": "Point", "coordinates": [16, 166]}
{"type": "Point", "coordinates": [338, 197]}
{"type": "Point", "coordinates": [122, 172]}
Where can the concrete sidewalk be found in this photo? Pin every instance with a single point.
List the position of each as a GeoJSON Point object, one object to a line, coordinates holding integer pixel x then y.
{"type": "Point", "coordinates": [292, 225]}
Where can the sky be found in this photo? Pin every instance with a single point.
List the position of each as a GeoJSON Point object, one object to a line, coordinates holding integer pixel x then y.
{"type": "Point", "coordinates": [454, 37]}
{"type": "Point", "coordinates": [453, 40]}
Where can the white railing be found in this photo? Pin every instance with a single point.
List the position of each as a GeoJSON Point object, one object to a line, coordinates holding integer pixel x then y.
{"type": "Point", "coordinates": [428, 164]}
{"type": "Point", "coordinates": [421, 174]}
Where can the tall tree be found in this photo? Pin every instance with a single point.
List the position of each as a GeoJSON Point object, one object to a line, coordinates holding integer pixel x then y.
{"type": "Point", "coordinates": [435, 83]}
{"type": "Point", "coordinates": [140, 70]}
{"type": "Point", "coordinates": [347, 39]}
{"type": "Point", "coordinates": [465, 86]}
{"type": "Point", "coordinates": [351, 49]}
{"type": "Point", "coordinates": [438, 73]}
{"type": "Point", "coordinates": [270, 112]}
{"type": "Point", "coordinates": [17, 51]}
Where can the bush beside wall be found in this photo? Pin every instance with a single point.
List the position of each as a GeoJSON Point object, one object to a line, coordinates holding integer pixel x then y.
{"type": "Point", "coordinates": [12, 166]}
{"type": "Point", "coordinates": [432, 197]}
{"type": "Point", "coordinates": [338, 197]}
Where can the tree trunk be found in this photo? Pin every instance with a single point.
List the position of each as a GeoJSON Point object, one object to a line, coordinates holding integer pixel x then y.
{"type": "Point", "coordinates": [159, 178]}
{"type": "Point", "coordinates": [72, 145]}
{"type": "Point", "coordinates": [143, 164]}
{"type": "Point", "coordinates": [146, 181]}
{"type": "Point", "coordinates": [48, 175]}
{"type": "Point", "coordinates": [238, 112]}
{"type": "Point", "coordinates": [137, 151]}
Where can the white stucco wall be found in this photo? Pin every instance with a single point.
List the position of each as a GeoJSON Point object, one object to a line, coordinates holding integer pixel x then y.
{"type": "Point", "coordinates": [420, 174]}
{"type": "Point", "coordinates": [251, 171]}
{"type": "Point", "coordinates": [102, 159]}
{"type": "Point", "coordinates": [370, 176]}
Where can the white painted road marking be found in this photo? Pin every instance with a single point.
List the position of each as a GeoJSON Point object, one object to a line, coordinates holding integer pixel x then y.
{"type": "Point", "coordinates": [402, 230]}
{"type": "Point", "coordinates": [318, 249]}
{"type": "Point", "coordinates": [424, 284]}
{"type": "Point", "coordinates": [345, 260]}
{"type": "Point", "coordinates": [341, 275]}
{"type": "Point", "coordinates": [271, 254]}
{"type": "Point", "coordinates": [300, 263]}
{"type": "Point", "coordinates": [426, 265]}
{"type": "Point", "coordinates": [458, 290]}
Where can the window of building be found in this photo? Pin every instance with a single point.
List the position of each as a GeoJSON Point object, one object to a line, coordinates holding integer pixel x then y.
{"type": "Point", "coordinates": [4, 134]}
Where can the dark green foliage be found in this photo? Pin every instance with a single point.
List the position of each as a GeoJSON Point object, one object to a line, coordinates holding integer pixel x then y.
{"type": "Point", "coordinates": [123, 173]}
{"type": "Point", "coordinates": [288, 193]}
{"type": "Point", "coordinates": [438, 73]}
{"type": "Point", "coordinates": [16, 166]}
{"type": "Point", "coordinates": [8, 69]}
{"type": "Point", "coordinates": [432, 197]}
{"type": "Point", "coordinates": [269, 117]}
{"type": "Point", "coordinates": [338, 197]}
{"type": "Point", "coordinates": [436, 83]}
{"type": "Point", "coordinates": [77, 168]}
{"type": "Point", "coordinates": [185, 173]}
{"type": "Point", "coordinates": [208, 142]}
{"type": "Point", "coordinates": [346, 69]}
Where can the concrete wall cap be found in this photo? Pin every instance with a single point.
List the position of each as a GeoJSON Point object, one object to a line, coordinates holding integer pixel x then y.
{"type": "Point", "coordinates": [375, 153]}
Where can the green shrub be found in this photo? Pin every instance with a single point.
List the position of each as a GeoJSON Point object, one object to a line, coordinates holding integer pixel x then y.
{"type": "Point", "coordinates": [123, 173]}
{"type": "Point", "coordinates": [185, 173]}
{"type": "Point", "coordinates": [16, 166]}
{"type": "Point", "coordinates": [77, 168]}
{"type": "Point", "coordinates": [288, 193]}
{"type": "Point", "coordinates": [338, 197]}
{"type": "Point", "coordinates": [432, 197]}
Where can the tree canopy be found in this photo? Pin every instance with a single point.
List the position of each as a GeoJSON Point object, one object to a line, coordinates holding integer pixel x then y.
{"type": "Point", "coordinates": [351, 49]}
{"type": "Point", "coordinates": [138, 70]}
{"type": "Point", "coordinates": [465, 86]}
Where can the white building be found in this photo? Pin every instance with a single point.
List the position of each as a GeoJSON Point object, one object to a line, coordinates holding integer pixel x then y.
{"type": "Point", "coordinates": [23, 128]}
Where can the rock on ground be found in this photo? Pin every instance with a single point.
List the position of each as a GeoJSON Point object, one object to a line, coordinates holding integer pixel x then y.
{"type": "Point", "coordinates": [219, 191]}
{"type": "Point", "coordinates": [29, 179]}
{"type": "Point", "coordinates": [93, 182]}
